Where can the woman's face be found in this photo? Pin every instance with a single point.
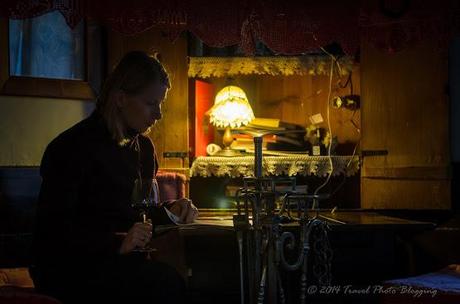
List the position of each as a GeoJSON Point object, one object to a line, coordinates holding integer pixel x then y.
{"type": "Point", "coordinates": [141, 111]}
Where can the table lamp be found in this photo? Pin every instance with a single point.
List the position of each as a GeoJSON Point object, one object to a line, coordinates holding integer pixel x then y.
{"type": "Point", "coordinates": [231, 110]}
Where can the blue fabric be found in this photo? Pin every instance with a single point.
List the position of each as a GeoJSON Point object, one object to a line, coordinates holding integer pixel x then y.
{"type": "Point", "coordinates": [46, 47]}
{"type": "Point", "coordinates": [446, 280]}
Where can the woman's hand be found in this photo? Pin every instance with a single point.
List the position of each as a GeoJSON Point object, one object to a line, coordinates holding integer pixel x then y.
{"type": "Point", "coordinates": [185, 210]}
{"type": "Point", "coordinates": [137, 237]}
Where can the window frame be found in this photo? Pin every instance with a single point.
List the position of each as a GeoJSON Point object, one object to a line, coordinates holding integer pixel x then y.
{"type": "Point", "coordinates": [46, 87]}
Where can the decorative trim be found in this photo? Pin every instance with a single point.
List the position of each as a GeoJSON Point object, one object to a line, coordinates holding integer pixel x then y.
{"type": "Point", "coordinates": [205, 67]}
{"type": "Point", "coordinates": [207, 166]}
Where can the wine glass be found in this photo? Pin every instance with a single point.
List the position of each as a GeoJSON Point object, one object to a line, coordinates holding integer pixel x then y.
{"type": "Point", "coordinates": [145, 197]}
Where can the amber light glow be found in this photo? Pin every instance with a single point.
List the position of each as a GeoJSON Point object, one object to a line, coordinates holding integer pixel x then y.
{"type": "Point", "coordinates": [231, 110]}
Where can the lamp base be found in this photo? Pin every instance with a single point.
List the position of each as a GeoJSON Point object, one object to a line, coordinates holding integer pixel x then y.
{"type": "Point", "coordinates": [227, 152]}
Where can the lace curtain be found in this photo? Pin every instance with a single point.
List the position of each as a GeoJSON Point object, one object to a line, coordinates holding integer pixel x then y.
{"type": "Point", "coordinates": [205, 67]}
{"type": "Point", "coordinates": [305, 165]}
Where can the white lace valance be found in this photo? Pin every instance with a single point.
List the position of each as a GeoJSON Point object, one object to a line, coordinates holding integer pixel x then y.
{"type": "Point", "coordinates": [274, 165]}
{"type": "Point", "coordinates": [205, 67]}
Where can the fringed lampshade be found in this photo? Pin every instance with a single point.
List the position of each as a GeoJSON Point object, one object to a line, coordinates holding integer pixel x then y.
{"type": "Point", "coordinates": [231, 110]}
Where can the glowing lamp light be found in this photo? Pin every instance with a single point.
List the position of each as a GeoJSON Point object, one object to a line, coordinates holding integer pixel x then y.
{"type": "Point", "coordinates": [231, 110]}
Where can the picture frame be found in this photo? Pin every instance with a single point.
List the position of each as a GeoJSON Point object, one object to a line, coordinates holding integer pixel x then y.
{"type": "Point", "coordinates": [85, 89]}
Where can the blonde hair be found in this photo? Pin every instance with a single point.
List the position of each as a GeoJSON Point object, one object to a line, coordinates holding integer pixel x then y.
{"type": "Point", "coordinates": [135, 71]}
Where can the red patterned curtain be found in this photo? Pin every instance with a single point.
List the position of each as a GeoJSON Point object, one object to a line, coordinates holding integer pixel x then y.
{"type": "Point", "coordinates": [286, 28]}
{"type": "Point", "coordinates": [393, 25]}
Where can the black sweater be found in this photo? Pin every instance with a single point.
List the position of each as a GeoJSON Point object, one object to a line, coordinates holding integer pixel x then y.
{"type": "Point", "coordinates": [87, 181]}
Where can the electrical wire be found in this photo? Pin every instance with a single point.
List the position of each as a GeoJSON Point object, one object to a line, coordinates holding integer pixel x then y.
{"type": "Point", "coordinates": [352, 121]}
{"type": "Point", "coordinates": [349, 81]}
{"type": "Point", "coordinates": [351, 159]}
{"type": "Point", "coordinates": [331, 164]}
{"type": "Point", "coordinates": [344, 174]}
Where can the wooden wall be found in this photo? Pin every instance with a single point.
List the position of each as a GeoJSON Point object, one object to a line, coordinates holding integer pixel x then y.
{"type": "Point", "coordinates": [171, 133]}
{"type": "Point", "coordinates": [295, 98]}
{"type": "Point", "coordinates": [405, 110]}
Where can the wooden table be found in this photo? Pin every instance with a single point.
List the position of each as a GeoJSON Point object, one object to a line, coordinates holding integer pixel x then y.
{"type": "Point", "coordinates": [337, 220]}
{"type": "Point", "coordinates": [206, 252]}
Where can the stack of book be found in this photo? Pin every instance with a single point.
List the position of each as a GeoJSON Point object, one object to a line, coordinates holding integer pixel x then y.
{"type": "Point", "coordinates": [279, 136]}
{"type": "Point", "coordinates": [245, 142]}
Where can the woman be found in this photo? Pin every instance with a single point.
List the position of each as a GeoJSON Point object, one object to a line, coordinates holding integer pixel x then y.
{"type": "Point", "coordinates": [88, 174]}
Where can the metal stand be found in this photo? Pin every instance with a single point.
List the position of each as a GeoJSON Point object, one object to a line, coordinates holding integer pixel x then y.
{"type": "Point", "coordinates": [262, 241]}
